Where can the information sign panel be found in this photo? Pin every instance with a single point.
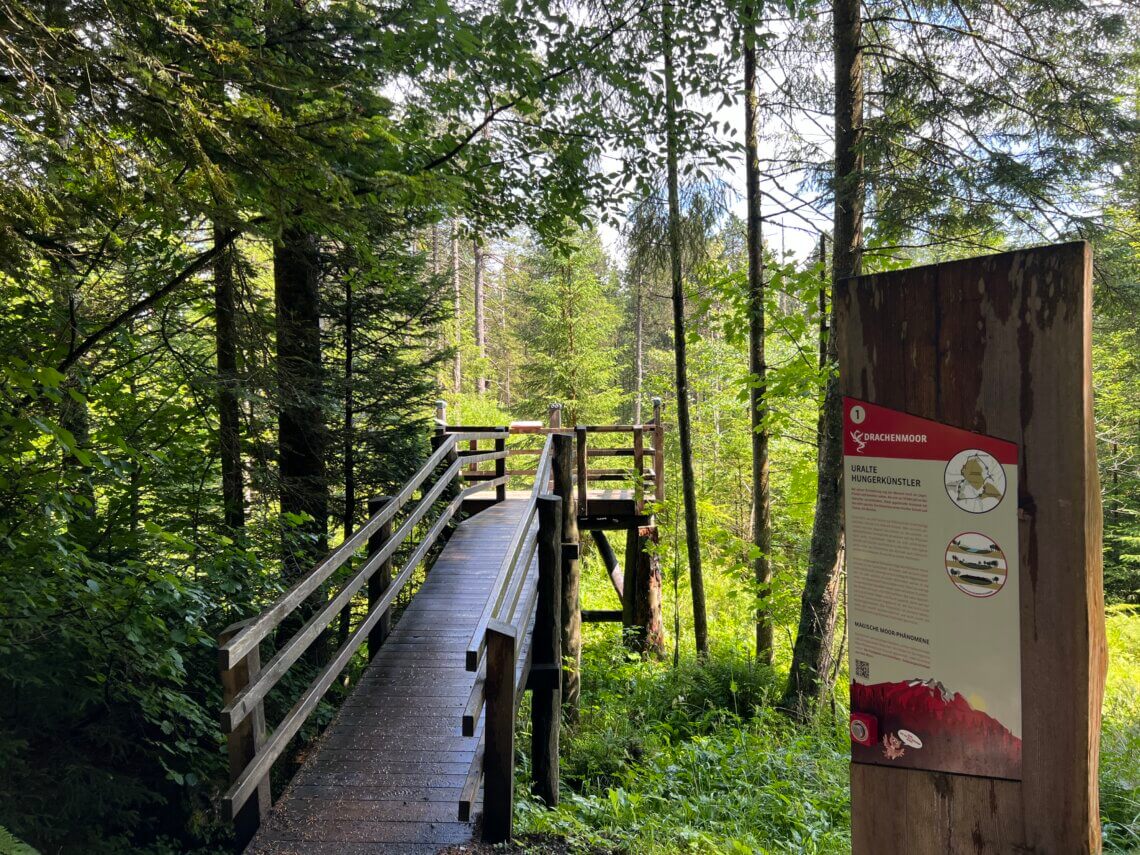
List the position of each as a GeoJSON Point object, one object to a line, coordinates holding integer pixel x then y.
{"type": "Point", "coordinates": [933, 600]}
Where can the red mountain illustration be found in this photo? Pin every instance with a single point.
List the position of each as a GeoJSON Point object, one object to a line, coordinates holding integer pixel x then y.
{"type": "Point", "coordinates": [955, 737]}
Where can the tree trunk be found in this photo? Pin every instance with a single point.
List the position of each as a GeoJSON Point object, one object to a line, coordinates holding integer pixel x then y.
{"type": "Point", "coordinates": [302, 432]}
{"type": "Point", "coordinates": [503, 354]}
{"type": "Point", "coordinates": [638, 352]}
{"type": "Point", "coordinates": [684, 427]}
{"type": "Point", "coordinates": [761, 516]}
{"type": "Point", "coordinates": [480, 320]}
{"type": "Point", "coordinates": [348, 515]}
{"type": "Point", "coordinates": [457, 294]}
{"type": "Point", "coordinates": [229, 413]}
{"type": "Point", "coordinates": [811, 657]}
{"type": "Point", "coordinates": [435, 249]}
{"type": "Point", "coordinates": [822, 303]}
{"type": "Point", "coordinates": [73, 414]}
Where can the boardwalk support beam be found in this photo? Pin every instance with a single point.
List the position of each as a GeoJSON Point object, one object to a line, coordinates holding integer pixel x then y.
{"type": "Point", "coordinates": [609, 558]}
{"type": "Point", "coordinates": [570, 620]}
{"type": "Point", "coordinates": [379, 581]}
{"type": "Point", "coordinates": [641, 605]}
{"type": "Point", "coordinates": [499, 730]}
{"type": "Point", "coordinates": [501, 468]}
{"type": "Point", "coordinates": [245, 740]}
{"type": "Point", "coordinates": [546, 649]}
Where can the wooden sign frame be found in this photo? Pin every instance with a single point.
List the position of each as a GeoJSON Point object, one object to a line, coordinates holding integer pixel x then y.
{"type": "Point", "coordinates": [1001, 345]}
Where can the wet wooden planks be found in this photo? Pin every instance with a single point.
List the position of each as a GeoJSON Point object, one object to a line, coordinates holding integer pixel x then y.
{"type": "Point", "coordinates": [386, 775]}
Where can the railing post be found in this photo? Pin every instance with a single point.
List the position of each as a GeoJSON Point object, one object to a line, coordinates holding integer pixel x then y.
{"type": "Point", "coordinates": [546, 654]}
{"type": "Point", "coordinates": [570, 621]}
{"type": "Point", "coordinates": [379, 581]}
{"type": "Point", "coordinates": [437, 440]}
{"type": "Point", "coordinates": [638, 469]}
{"type": "Point", "coordinates": [555, 415]}
{"type": "Point", "coordinates": [583, 484]}
{"type": "Point", "coordinates": [658, 453]}
{"type": "Point", "coordinates": [245, 740]}
{"type": "Point", "coordinates": [499, 730]}
{"type": "Point", "coordinates": [629, 589]}
{"type": "Point", "coordinates": [441, 414]}
{"type": "Point", "coordinates": [501, 468]}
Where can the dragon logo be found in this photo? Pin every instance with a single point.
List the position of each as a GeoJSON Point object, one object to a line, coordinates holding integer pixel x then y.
{"type": "Point", "coordinates": [857, 435]}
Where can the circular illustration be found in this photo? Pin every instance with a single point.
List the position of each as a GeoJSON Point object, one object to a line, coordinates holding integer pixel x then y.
{"type": "Point", "coordinates": [976, 565]}
{"type": "Point", "coordinates": [859, 731]}
{"type": "Point", "coordinates": [975, 482]}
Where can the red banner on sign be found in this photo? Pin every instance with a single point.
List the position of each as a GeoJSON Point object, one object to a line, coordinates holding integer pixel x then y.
{"type": "Point", "coordinates": [873, 431]}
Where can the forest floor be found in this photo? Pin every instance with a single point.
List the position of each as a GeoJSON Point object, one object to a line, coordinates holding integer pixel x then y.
{"type": "Point", "coordinates": [695, 759]}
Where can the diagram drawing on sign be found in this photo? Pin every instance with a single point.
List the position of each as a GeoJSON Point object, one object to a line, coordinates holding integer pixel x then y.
{"type": "Point", "coordinates": [976, 565]}
{"type": "Point", "coordinates": [975, 482]}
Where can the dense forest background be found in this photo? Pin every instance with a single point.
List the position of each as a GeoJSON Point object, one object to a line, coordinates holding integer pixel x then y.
{"type": "Point", "coordinates": [244, 247]}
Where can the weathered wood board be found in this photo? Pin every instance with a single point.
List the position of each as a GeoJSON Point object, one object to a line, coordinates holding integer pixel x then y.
{"type": "Point", "coordinates": [1001, 345]}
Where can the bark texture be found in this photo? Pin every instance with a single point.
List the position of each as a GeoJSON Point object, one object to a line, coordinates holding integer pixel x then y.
{"type": "Point", "coordinates": [761, 517]}
{"type": "Point", "coordinates": [302, 430]}
{"type": "Point", "coordinates": [811, 657]}
{"type": "Point", "coordinates": [229, 412]}
{"type": "Point", "coordinates": [480, 320]}
{"type": "Point", "coordinates": [457, 297]}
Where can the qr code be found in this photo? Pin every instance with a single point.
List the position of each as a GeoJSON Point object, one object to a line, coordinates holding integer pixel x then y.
{"type": "Point", "coordinates": [863, 669]}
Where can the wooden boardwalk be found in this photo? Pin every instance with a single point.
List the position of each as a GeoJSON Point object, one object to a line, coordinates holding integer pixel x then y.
{"type": "Point", "coordinates": [386, 775]}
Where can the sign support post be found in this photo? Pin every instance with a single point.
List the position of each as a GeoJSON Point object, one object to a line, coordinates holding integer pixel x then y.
{"type": "Point", "coordinates": [999, 346]}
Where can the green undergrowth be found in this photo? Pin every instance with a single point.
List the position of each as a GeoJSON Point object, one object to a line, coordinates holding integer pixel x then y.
{"type": "Point", "coordinates": [1120, 735]}
{"type": "Point", "coordinates": [693, 759]}
{"type": "Point", "coordinates": [696, 759]}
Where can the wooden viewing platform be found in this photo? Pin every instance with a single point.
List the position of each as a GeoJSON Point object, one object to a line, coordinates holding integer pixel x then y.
{"type": "Point", "coordinates": [425, 741]}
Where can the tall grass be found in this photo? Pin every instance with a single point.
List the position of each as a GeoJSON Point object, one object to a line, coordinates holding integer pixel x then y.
{"type": "Point", "coordinates": [1120, 736]}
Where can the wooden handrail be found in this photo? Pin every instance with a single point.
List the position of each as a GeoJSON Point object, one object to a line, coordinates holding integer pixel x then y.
{"type": "Point", "coordinates": [518, 596]}
{"type": "Point", "coordinates": [259, 767]}
{"type": "Point", "coordinates": [238, 646]}
{"type": "Point", "coordinates": [508, 567]}
{"type": "Point", "coordinates": [648, 440]}
{"type": "Point", "coordinates": [517, 429]}
{"type": "Point", "coordinates": [524, 638]}
{"type": "Point", "coordinates": [279, 665]}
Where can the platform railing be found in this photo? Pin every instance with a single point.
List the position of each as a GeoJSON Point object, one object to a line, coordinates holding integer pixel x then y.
{"type": "Point", "coordinates": [516, 646]}
{"type": "Point", "coordinates": [645, 451]}
{"type": "Point", "coordinates": [246, 683]}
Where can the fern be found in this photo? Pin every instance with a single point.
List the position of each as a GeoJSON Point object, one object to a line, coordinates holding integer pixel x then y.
{"type": "Point", "coordinates": [10, 845]}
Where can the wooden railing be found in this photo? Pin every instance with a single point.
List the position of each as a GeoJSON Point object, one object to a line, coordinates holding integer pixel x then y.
{"type": "Point", "coordinates": [252, 752]}
{"type": "Point", "coordinates": [645, 451]}
{"type": "Point", "coordinates": [518, 641]}
{"type": "Point", "coordinates": [516, 646]}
